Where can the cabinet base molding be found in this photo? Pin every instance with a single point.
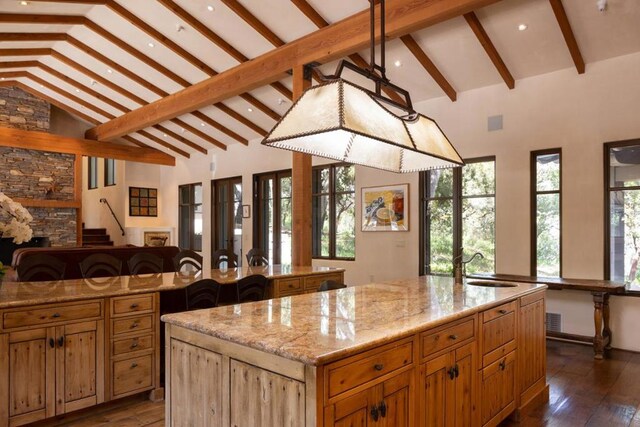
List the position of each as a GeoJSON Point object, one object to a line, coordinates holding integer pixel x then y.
{"type": "Point", "coordinates": [156, 395]}
{"type": "Point", "coordinates": [540, 397]}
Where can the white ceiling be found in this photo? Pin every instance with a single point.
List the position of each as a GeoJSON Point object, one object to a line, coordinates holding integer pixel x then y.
{"type": "Point", "coordinates": [451, 45]}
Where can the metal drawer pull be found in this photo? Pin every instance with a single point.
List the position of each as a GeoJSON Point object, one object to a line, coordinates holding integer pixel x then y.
{"type": "Point", "coordinates": [378, 366]}
{"type": "Point", "coordinates": [134, 365]}
{"type": "Point", "coordinates": [453, 337]}
{"type": "Point", "coordinates": [134, 325]}
{"type": "Point", "coordinates": [52, 343]}
{"type": "Point", "coordinates": [503, 311]}
{"type": "Point", "coordinates": [134, 344]}
{"type": "Point", "coordinates": [133, 306]}
{"type": "Point", "coordinates": [60, 341]}
{"type": "Point", "coordinates": [55, 315]}
{"type": "Point", "coordinates": [503, 365]}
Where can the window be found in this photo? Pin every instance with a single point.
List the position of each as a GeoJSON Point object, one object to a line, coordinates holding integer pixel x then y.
{"type": "Point", "coordinates": [92, 163]}
{"type": "Point", "coordinates": [622, 189]}
{"type": "Point", "coordinates": [109, 172]}
{"type": "Point", "coordinates": [190, 216]}
{"type": "Point", "coordinates": [272, 220]}
{"type": "Point", "coordinates": [333, 212]}
{"type": "Point", "coordinates": [458, 212]}
{"type": "Point", "coordinates": [546, 208]}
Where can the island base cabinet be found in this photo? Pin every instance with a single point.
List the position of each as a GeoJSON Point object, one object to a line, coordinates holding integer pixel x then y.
{"type": "Point", "coordinates": [498, 390]}
{"type": "Point", "coordinates": [387, 404]}
{"type": "Point", "coordinates": [447, 384]}
{"type": "Point", "coordinates": [532, 349]}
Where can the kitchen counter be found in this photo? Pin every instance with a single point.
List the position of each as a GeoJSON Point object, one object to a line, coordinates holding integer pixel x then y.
{"type": "Point", "coordinates": [321, 327]}
{"type": "Point", "coordinates": [17, 294]}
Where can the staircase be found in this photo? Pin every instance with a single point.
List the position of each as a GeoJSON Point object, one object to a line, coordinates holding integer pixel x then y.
{"type": "Point", "coordinates": [96, 237]}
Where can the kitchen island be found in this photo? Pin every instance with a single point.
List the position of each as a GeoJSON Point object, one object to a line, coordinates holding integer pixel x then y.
{"type": "Point", "coordinates": [421, 351]}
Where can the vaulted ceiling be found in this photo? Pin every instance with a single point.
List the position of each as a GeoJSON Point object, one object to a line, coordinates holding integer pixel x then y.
{"type": "Point", "coordinates": [99, 59]}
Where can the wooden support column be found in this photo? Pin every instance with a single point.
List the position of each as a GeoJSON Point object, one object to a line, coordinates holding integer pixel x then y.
{"type": "Point", "coordinates": [301, 186]}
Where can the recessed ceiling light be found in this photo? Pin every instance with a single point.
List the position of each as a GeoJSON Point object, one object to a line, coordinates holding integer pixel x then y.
{"type": "Point", "coordinates": [77, 90]}
{"type": "Point", "coordinates": [522, 27]}
{"type": "Point", "coordinates": [151, 44]}
{"type": "Point", "coordinates": [250, 110]}
{"type": "Point", "coordinates": [41, 85]}
{"type": "Point", "coordinates": [109, 70]}
{"type": "Point", "coordinates": [181, 130]}
{"type": "Point", "coordinates": [24, 3]}
{"type": "Point", "coordinates": [164, 134]}
{"type": "Point", "coordinates": [210, 8]}
{"type": "Point", "coordinates": [398, 63]}
{"type": "Point", "coordinates": [2, 78]}
{"type": "Point", "coordinates": [202, 124]}
{"type": "Point", "coordinates": [93, 82]}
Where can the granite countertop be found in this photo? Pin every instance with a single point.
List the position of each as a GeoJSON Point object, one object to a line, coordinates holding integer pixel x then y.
{"type": "Point", "coordinates": [19, 294]}
{"type": "Point", "coordinates": [593, 285]}
{"type": "Point", "coordinates": [324, 326]}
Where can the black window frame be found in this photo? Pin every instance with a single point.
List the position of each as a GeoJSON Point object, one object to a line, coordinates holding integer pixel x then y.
{"type": "Point", "coordinates": [92, 173]}
{"type": "Point", "coordinates": [316, 241]}
{"type": "Point", "coordinates": [109, 169]}
{"type": "Point", "coordinates": [534, 193]}
{"type": "Point", "coordinates": [457, 199]}
{"type": "Point", "coordinates": [258, 212]}
{"type": "Point", "coordinates": [192, 206]}
{"type": "Point", "coordinates": [607, 198]}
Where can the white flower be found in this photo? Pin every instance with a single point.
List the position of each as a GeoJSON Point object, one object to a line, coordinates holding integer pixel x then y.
{"type": "Point", "coordinates": [18, 226]}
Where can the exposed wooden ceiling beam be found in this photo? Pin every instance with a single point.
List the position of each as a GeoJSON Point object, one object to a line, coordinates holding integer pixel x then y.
{"type": "Point", "coordinates": [44, 141]}
{"type": "Point", "coordinates": [27, 18]}
{"type": "Point", "coordinates": [257, 129]}
{"type": "Point", "coordinates": [152, 32]}
{"type": "Point", "coordinates": [428, 65]}
{"type": "Point", "coordinates": [39, 51]}
{"type": "Point", "coordinates": [487, 44]}
{"type": "Point", "coordinates": [197, 132]}
{"type": "Point", "coordinates": [32, 37]}
{"type": "Point", "coordinates": [569, 36]}
{"type": "Point", "coordinates": [208, 120]}
{"type": "Point", "coordinates": [329, 43]}
{"type": "Point", "coordinates": [162, 143]}
{"type": "Point", "coordinates": [254, 22]}
{"type": "Point", "coordinates": [182, 139]}
{"type": "Point", "coordinates": [19, 64]}
{"type": "Point", "coordinates": [216, 39]}
{"type": "Point", "coordinates": [88, 119]}
{"type": "Point", "coordinates": [357, 59]}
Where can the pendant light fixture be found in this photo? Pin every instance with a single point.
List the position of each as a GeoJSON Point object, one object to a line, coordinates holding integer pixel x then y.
{"type": "Point", "coordinates": [343, 121]}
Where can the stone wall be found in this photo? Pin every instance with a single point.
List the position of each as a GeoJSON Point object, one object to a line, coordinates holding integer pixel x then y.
{"type": "Point", "coordinates": [39, 175]}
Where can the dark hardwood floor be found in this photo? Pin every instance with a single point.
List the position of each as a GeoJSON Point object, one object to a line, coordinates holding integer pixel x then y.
{"type": "Point", "coordinates": [584, 392]}
{"type": "Point", "coordinates": [588, 392]}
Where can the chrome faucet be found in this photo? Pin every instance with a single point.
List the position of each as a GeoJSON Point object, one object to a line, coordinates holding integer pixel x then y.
{"type": "Point", "coordinates": [460, 266]}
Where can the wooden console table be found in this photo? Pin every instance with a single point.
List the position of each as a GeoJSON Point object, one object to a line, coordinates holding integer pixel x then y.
{"type": "Point", "coordinates": [599, 289]}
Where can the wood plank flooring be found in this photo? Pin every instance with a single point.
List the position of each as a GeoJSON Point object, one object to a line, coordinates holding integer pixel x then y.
{"type": "Point", "coordinates": [583, 392]}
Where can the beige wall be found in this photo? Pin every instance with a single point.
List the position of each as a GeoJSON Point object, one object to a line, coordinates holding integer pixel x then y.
{"type": "Point", "coordinates": [561, 109]}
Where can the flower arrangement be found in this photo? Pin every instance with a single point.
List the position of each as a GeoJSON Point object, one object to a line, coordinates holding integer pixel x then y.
{"type": "Point", "coordinates": [19, 219]}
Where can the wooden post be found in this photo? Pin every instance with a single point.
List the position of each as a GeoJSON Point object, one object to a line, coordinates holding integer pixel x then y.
{"type": "Point", "coordinates": [301, 187]}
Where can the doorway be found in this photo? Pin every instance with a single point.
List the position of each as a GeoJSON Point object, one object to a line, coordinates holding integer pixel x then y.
{"type": "Point", "coordinates": [226, 198]}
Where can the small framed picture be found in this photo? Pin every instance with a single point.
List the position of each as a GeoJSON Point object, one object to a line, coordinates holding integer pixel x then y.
{"type": "Point", "coordinates": [246, 211]}
{"type": "Point", "coordinates": [385, 208]}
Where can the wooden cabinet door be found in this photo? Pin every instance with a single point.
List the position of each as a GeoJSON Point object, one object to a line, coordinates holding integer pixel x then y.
{"type": "Point", "coordinates": [79, 366]}
{"type": "Point", "coordinates": [195, 395]}
{"type": "Point", "coordinates": [353, 411]}
{"type": "Point", "coordinates": [27, 364]}
{"type": "Point", "coordinates": [464, 385]}
{"type": "Point", "coordinates": [395, 408]}
{"type": "Point", "coordinates": [531, 348]}
{"type": "Point", "coordinates": [436, 385]}
{"type": "Point", "coordinates": [498, 390]}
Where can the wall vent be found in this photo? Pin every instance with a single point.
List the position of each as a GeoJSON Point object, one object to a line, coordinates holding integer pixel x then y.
{"type": "Point", "coordinates": [554, 322]}
{"type": "Point", "coordinates": [494, 123]}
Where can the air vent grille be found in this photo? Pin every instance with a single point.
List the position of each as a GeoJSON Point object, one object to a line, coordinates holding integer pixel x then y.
{"type": "Point", "coordinates": [554, 322]}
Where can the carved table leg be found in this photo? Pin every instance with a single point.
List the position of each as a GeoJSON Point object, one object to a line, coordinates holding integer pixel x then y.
{"type": "Point", "coordinates": [598, 339]}
{"type": "Point", "coordinates": [606, 332]}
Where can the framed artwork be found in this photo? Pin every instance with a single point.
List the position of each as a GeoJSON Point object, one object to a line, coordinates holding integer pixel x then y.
{"type": "Point", "coordinates": [246, 211]}
{"type": "Point", "coordinates": [385, 208]}
{"type": "Point", "coordinates": [156, 238]}
{"type": "Point", "coordinates": [143, 201]}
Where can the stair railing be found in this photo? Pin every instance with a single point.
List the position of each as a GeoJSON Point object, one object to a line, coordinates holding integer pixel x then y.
{"type": "Point", "coordinates": [106, 202]}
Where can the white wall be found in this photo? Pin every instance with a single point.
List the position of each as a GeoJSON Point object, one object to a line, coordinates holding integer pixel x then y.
{"type": "Point", "coordinates": [562, 109]}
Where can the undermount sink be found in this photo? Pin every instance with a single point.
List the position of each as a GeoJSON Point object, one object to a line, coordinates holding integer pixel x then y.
{"type": "Point", "coordinates": [491, 284]}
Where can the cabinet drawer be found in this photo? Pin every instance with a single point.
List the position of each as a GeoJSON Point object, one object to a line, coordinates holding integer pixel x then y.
{"type": "Point", "coordinates": [128, 345]}
{"type": "Point", "coordinates": [433, 342]}
{"type": "Point", "coordinates": [357, 370]}
{"type": "Point", "coordinates": [499, 311]}
{"type": "Point", "coordinates": [132, 324]}
{"type": "Point", "coordinates": [131, 375]}
{"type": "Point", "coordinates": [47, 315]}
{"type": "Point", "coordinates": [312, 283]}
{"type": "Point", "coordinates": [129, 305]}
{"type": "Point", "coordinates": [498, 332]}
{"type": "Point", "coordinates": [289, 286]}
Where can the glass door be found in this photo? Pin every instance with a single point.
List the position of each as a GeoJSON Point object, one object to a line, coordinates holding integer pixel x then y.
{"type": "Point", "coordinates": [272, 222]}
{"type": "Point", "coordinates": [227, 215]}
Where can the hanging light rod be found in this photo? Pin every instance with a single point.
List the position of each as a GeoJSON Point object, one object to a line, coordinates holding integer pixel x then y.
{"type": "Point", "coordinates": [343, 121]}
